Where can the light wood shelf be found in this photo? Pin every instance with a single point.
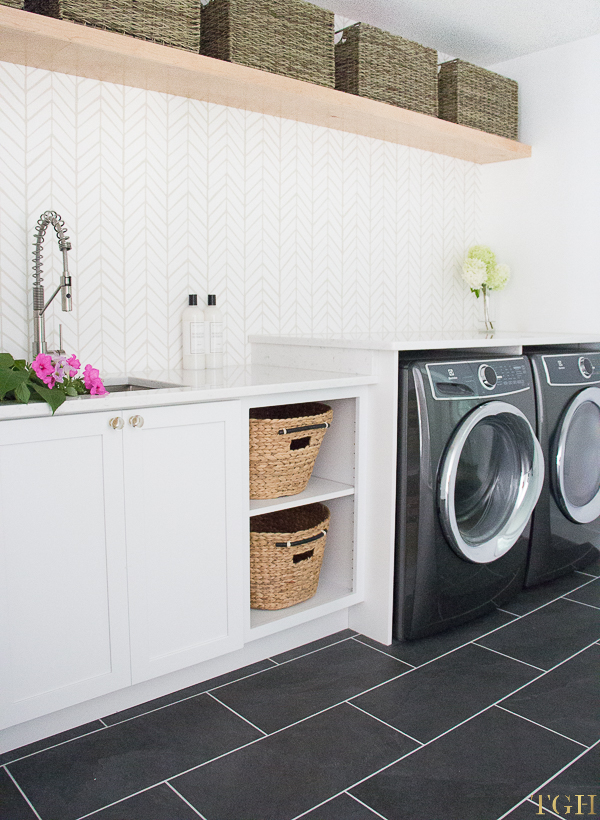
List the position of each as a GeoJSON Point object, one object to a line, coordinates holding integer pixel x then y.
{"type": "Point", "coordinates": [56, 45]}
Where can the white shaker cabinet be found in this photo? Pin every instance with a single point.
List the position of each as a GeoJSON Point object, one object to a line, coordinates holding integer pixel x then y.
{"type": "Point", "coordinates": [119, 542]}
{"type": "Point", "coordinates": [183, 496]}
{"type": "Point", "coordinates": [63, 594]}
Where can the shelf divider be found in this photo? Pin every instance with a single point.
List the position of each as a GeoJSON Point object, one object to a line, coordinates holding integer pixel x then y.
{"type": "Point", "coordinates": [318, 489]}
{"type": "Point", "coordinates": [70, 48]}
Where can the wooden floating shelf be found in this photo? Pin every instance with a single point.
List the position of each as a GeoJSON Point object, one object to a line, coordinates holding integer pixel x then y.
{"type": "Point", "coordinates": [56, 45]}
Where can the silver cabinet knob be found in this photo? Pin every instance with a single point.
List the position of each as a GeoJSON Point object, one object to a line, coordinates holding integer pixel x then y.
{"type": "Point", "coordinates": [136, 421]}
{"type": "Point", "coordinates": [117, 423]}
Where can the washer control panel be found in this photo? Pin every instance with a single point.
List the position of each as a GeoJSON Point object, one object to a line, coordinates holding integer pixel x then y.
{"type": "Point", "coordinates": [463, 380]}
{"type": "Point", "coordinates": [572, 368]}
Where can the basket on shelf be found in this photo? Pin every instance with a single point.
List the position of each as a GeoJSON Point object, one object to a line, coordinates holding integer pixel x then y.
{"type": "Point", "coordinates": [286, 553]}
{"type": "Point", "coordinates": [373, 63]}
{"type": "Point", "coordinates": [169, 22]}
{"type": "Point", "coordinates": [290, 37]}
{"type": "Point", "coordinates": [15, 4]}
{"type": "Point", "coordinates": [284, 444]}
{"type": "Point", "coordinates": [473, 96]}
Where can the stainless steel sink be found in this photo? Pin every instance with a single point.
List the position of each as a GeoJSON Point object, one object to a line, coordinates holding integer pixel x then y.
{"type": "Point", "coordinates": [132, 383]}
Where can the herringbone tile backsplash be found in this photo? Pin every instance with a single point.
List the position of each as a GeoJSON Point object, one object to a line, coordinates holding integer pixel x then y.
{"type": "Point", "coordinates": [296, 228]}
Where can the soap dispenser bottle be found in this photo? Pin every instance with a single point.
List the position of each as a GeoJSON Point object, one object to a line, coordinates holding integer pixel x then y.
{"type": "Point", "coordinates": [193, 335]}
{"type": "Point", "coordinates": [213, 323]}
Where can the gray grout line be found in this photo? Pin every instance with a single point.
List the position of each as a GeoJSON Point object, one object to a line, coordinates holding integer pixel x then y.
{"type": "Point", "coordinates": [237, 714]}
{"type": "Point", "coordinates": [560, 771]}
{"type": "Point", "coordinates": [389, 725]}
{"type": "Point", "coordinates": [376, 813]}
{"type": "Point", "coordinates": [312, 652]}
{"type": "Point", "coordinates": [54, 745]}
{"type": "Point", "coordinates": [383, 652]}
{"type": "Point", "coordinates": [23, 795]}
{"type": "Point", "coordinates": [184, 800]}
{"type": "Point", "coordinates": [508, 612]}
{"type": "Point", "coordinates": [103, 723]}
{"type": "Point", "coordinates": [587, 574]}
{"type": "Point", "coordinates": [583, 603]}
{"type": "Point", "coordinates": [541, 725]}
{"type": "Point", "coordinates": [520, 803]}
{"type": "Point", "coordinates": [121, 800]}
{"type": "Point", "coordinates": [510, 657]}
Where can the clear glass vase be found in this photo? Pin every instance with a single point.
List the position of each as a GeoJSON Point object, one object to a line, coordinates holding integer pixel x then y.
{"type": "Point", "coordinates": [486, 322]}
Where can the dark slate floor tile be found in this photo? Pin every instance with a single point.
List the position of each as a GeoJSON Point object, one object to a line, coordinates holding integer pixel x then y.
{"type": "Point", "coordinates": [589, 594]}
{"type": "Point", "coordinates": [593, 568]}
{"type": "Point", "coordinates": [86, 774]}
{"type": "Point", "coordinates": [342, 807]}
{"type": "Point", "coordinates": [566, 698]}
{"type": "Point", "coordinates": [291, 771]}
{"type": "Point", "coordinates": [549, 635]}
{"type": "Point", "coordinates": [300, 688]}
{"type": "Point", "coordinates": [188, 692]}
{"type": "Point", "coordinates": [328, 640]}
{"type": "Point", "coordinates": [529, 599]}
{"type": "Point", "coordinates": [581, 777]}
{"type": "Point", "coordinates": [426, 649]}
{"type": "Point", "coordinates": [528, 811]}
{"type": "Point", "coordinates": [13, 805]}
{"type": "Point", "coordinates": [53, 740]}
{"type": "Point", "coordinates": [434, 698]}
{"type": "Point", "coordinates": [479, 771]}
{"type": "Point", "coordinates": [159, 803]}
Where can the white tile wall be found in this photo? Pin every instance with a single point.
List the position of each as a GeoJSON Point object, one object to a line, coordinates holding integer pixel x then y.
{"type": "Point", "coordinates": [294, 227]}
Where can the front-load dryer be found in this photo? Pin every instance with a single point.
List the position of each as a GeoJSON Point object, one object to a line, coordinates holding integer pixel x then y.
{"type": "Point", "coordinates": [565, 529]}
{"type": "Point", "coordinates": [470, 470]}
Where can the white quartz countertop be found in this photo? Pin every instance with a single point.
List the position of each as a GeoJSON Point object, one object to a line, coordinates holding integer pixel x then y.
{"type": "Point", "coordinates": [429, 340]}
{"type": "Point", "coordinates": [189, 387]}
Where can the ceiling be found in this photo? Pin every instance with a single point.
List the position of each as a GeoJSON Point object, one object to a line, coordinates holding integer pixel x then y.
{"type": "Point", "coordinates": [480, 31]}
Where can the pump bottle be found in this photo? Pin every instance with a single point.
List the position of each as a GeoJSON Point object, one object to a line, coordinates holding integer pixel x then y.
{"type": "Point", "coordinates": [213, 324]}
{"type": "Point", "coordinates": [193, 335]}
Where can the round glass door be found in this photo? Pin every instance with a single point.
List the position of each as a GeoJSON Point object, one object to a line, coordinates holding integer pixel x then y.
{"type": "Point", "coordinates": [490, 481]}
{"type": "Point", "coordinates": [576, 462]}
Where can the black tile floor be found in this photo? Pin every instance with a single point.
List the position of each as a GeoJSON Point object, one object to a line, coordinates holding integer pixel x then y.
{"type": "Point", "coordinates": [495, 719]}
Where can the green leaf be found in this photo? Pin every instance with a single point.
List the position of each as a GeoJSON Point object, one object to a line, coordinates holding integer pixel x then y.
{"type": "Point", "coordinates": [52, 397]}
{"type": "Point", "coordinates": [70, 391]}
{"type": "Point", "coordinates": [22, 393]}
{"type": "Point", "coordinates": [10, 380]}
{"type": "Point", "coordinates": [6, 360]}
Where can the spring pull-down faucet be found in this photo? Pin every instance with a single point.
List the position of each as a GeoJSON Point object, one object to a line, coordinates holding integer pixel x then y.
{"type": "Point", "coordinates": [39, 308]}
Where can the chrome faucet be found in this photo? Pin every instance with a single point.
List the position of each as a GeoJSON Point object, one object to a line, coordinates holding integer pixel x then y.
{"type": "Point", "coordinates": [39, 308]}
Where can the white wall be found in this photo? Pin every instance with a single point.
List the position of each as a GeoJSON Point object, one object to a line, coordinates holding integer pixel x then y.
{"type": "Point", "coordinates": [296, 228]}
{"type": "Point", "coordinates": [542, 215]}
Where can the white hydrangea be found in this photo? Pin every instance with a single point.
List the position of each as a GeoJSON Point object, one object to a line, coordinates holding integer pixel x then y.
{"type": "Point", "coordinates": [498, 277]}
{"type": "Point", "coordinates": [474, 272]}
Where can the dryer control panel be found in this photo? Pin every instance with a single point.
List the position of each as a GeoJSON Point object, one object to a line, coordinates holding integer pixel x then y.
{"type": "Point", "coordinates": [477, 379]}
{"type": "Point", "coordinates": [572, 369]}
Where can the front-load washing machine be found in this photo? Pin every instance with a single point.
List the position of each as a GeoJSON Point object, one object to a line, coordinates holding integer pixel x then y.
{"type": "Point", "coordinates": [470, 470]}
{"type": "Point", "coordinates": [565, 528]}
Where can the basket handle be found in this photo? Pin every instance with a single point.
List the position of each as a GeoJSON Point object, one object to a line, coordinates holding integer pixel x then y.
{"type": "Point", "coordinates": [303, 541]}
{"type": "Point", "coordinates": [285, 430]}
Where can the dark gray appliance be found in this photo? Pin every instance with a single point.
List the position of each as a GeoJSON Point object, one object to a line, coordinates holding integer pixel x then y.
{"type": "Point", "coordinates": [565, 531]}
{"type": "Point", "coordinates": [470, 471]}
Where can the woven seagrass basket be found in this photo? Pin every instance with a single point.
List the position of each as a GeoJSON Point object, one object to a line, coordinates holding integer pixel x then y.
{"type": "Point", "coordinates": [170, 22]}
{"type": "Point", "coordinates": [15, 4]}
{"type": "Point", "coordinates": [473, 96]}
{"type": "Point", "coordinates": [373, 63]}
{"type": "Point", "coordinates": [290, 37]}
{"type": "Point", "coordinates": [286, 553]}
{"type": "Point", "coordinates": [284, 444]}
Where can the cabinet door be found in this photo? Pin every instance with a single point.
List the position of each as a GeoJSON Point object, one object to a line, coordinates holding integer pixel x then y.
{"type": "Point", "coordinates": [183, 501]}
{"type": "Point", "coordinates": [64, 636]}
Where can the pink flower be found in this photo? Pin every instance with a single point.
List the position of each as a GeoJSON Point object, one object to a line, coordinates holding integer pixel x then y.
{"type": "Point", "coordinates": [43, 367]}
{"type": "Point", "coordinates": [75, 364]}
{"type": "Point", "coordinates": [60, 368]}
{"type": "Point", "coordinates": [90, 374]}
{"type": "Point", "coordinates": [97, 388]}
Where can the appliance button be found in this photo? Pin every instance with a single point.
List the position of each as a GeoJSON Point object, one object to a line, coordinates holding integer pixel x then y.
{"type": "Point", "coordinates": [487, 376]}
{"type": "Point", "coordinates": [586, 367]}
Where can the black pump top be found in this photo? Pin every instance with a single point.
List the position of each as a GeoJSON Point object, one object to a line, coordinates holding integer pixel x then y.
{"type": "Point", "coordinates": [193, 299]}
{"type": "Point", "coordinates": [212, 299]}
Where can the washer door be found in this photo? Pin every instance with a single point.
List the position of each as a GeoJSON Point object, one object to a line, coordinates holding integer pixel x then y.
{"type": "Point", "coordinates": [576, 461]}
{"type": "Point", "coordinates": [491, 477]}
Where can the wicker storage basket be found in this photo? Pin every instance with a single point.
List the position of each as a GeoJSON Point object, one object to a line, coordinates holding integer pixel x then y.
{"type": "Point", "coordinates": [373, 63]}
{"type": "Point", "coordinates": [286, 553]}
{"type": "Point", "coordinates": [15, 4]}
{"type": "Point", "coordinates": [473, 96]}
{"type": "Point", "coordinates": [284, 443]}
{"type": "Point", "coordinates": [290, 37]}
{"type": "Point", "coordinates": [170, 22]}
